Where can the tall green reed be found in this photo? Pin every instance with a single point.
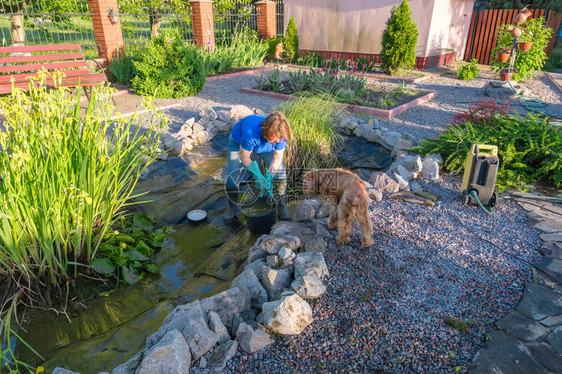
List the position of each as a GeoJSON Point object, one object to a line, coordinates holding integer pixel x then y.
{"type": "Point", "coordinates": [66, 175]}
{"type": "Point", "coordinates": [315, 142]}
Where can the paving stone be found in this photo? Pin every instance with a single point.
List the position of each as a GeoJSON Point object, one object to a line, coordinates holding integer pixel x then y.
{"type": "Point", "coordinates": [547, 357]}
{"type": "Point", "coordinates": [547, 226]}
{"type": "Point", "coordinates": [543, 215]}
{"type": "Point", "coordinates": [556, 237]}
{"type": "Point", "coordinates": [552, 321]}
{"type": "Point", "coordinates": [552, 250]}
{"type": "Point", "coordinates": [555, 339]}
{"type": "Point", "coordinates": [551, 266]}
{"type": "Point", "coordinates": [521, 327]}
{"type": "Point", "coordinates": [504, 354]}
{"type": "Point", "coordinates": [539, 302]}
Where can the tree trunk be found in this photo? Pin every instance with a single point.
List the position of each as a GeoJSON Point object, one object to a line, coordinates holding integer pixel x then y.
{"type": "Point", "coordinates": [154, 19]}
{"type": "Point", "coordinates": [18, 32]}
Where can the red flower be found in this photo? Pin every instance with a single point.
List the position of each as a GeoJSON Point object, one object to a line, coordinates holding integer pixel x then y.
{"type": "Point", "coordinates": [364, 66]}
{"type": "Point", "coordinates": [370, 63]}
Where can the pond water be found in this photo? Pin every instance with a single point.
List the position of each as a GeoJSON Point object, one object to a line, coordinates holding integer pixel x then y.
{"type": "Point", "coordinates": [199, 260]}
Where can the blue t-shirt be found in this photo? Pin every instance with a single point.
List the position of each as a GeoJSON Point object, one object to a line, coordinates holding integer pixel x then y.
{"type": "Point", "coordinates": [247, 133]}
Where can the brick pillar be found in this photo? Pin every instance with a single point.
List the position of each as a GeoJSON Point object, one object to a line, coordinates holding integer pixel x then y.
{"type": "Point", "coordinates": [108, 35]}
{"type": "Point", "coordinates": [267, 20]}
{"type": "Point", "coordinates": [203, 27]}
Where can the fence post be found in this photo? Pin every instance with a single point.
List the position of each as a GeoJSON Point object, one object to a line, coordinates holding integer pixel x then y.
{"type": "Point", "coordinates": [267, 22]}
{"type": "Point", "coordinates": [107, 28]}
{"type": "Point", "coordinates": [203, 27]}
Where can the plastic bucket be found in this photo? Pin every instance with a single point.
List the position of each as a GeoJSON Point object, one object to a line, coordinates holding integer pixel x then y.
{"type": "Point", "coordinates": [260, 216]}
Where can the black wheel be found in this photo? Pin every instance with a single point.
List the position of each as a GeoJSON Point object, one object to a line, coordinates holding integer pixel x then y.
{"type": "Point", "coordinates": [465, 197]}
{"type": "Point", "coordinates": [493, 200]}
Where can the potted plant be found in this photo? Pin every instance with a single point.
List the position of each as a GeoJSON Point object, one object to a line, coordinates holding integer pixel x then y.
{"type": "Point", "coordinates": [503, 54]}
{"type": "Point", "coordinates": [505, 74]}
{"type": "Point", "coordinates": [526, 41]}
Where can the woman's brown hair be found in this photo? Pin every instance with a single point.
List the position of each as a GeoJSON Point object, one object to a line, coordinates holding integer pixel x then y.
{"type": "Point", "coordinates": [275, 125]}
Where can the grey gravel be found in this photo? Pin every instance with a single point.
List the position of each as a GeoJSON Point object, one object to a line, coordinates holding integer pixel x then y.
{"type": "Point", "coordinates": [385, 309]}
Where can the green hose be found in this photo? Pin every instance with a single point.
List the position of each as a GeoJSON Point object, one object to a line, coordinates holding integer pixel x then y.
{"type": "Point", "coordinates": [475, 196]}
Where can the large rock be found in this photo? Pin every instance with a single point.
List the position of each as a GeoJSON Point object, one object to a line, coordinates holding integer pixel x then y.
{"type": "Point", "coordinates": [289, 315]}
{"type": "Point", "coordinates": [130, 366]}
{"type": "Point", "coordinates": [173, 146]}
{"type": "Point", "coordinates": [404, 173]}
{"type": "Point", "coordinates": [199, 338]}
{"type": "Point", "coordinates": [223, 115]}
{"type": "Point", "coordinates": [308, 286]}
{"type": "Point", "coordinates": [430, 169]}
{"type": "Point", "coordinates": [255, 253]}
{"type": "Point", "coordinates": [247, 316]}
{"type": "Point", "coordinates": [310, 262]}
{"type": "Point", "coordinates": [186, 130]}
{"type": "Point", "coordinates": [201, 137]}
{"type": "Point", "coordinates": [271, 244]}
{"type": "Point", "coordinates": [248, 281]}
{"type": "Point", "coordinates": [290, 228]}
{"type": "Point", "coordinates": [252, 337]}
{"type": "Point", "coordinates": [304, 212]}
{"type": "Point", "coordinates": [412, 163]}
{"type": "Point", "coordinates": [388, 139]}
{"type": "Point", "coordinates": [169, 356]}
{"type": "Point", "coordinates": [227, 303]}
{"type": "Point", "coordinates": [238, 112]}
{"type": "Point", "coordinates": [540, 302]}
{"type": "Point", "coordinates": [375, 194]}
{"type": "Point", "coordinates": [221, 355]}
{"type": "Point", "coordinates": [275, 281]}
{"type": "Point", "coordinates": [222, 126]}
{"type": "Point", "coordinates": [313, 244]}
{"type": "Point", "coordinates": [216, 325]}
{"type": "Point", "coordinates": [323, 211]}
{"type": "Point", "coordinates": [208, 112]}
{"type": "Point", "coordinates": [383, 182]}
{"type": "Point", "coordinates": [400, 145]}
{"type": "Point", "coordinates": [402, 183]}
{"type": "Point", "coordinates": [522, 327]}
{"type": "Point", "coordinates": [177, 320]}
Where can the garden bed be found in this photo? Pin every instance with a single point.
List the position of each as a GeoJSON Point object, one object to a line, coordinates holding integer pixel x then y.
{"type": "Point", "coordinates": [423, 97]}
{"type": "Point", "coordinates": [410, 77]}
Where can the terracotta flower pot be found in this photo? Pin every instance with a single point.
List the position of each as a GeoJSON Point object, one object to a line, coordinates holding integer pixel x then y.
{"type": "Point", "coordinates": [505, 76]}
{"type": "Point", "coordinates": [278, 50]}
{"type": "Point", "coordinates": [525, 46]}
{"type": "Point", "coordinates": [503, 57]}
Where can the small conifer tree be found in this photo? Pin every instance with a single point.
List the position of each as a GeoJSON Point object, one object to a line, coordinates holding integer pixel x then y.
{"type": "Point", "coordinates": [399, 40]}
{"type": "Point", "coordinates": [291, 42]}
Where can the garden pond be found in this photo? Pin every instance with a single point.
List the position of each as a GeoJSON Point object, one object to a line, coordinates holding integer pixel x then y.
{"type": "Point", "coordinates": [102, 329]}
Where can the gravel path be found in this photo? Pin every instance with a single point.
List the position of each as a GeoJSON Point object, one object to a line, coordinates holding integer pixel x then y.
{"type": "Point", "coordinates": [424, 121]}
{"type": "Point", "coordinates": [385, 309]}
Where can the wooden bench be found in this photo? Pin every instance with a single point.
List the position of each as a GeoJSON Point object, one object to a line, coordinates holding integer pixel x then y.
{"type": "Point", "coordinates": [20, 63]}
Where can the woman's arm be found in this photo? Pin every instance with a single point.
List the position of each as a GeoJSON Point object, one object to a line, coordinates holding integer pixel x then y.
{"type": "Point", "coordinates": [276, 161]}
{"type": "Point", "coordinates": [245, 157]}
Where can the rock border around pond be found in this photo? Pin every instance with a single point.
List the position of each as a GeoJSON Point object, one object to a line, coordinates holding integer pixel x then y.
{"type": "Point", "coordinates": [382, 113]}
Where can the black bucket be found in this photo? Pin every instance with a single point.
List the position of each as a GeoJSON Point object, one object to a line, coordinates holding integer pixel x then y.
{"type": "Point", "coordinates": [261, 222]}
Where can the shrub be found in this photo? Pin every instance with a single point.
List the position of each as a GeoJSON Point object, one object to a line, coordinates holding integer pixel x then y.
{"type": "Point", "coordinates": [315, 142]}
{"type": "Point", "coordinates": [272, 46]}
{"type": "Point", "coordinates": [555, 60]}
{"type": "Point", "coordinates": [168, 69]}
{"type": "Point", "coordinates": [399, 40]}
{"type": "Point", "coordinates": [291, 42]}
{"type": "Point", "coordinates": [65, 179]}
{"type": "Point", "coordinates": [525, 62]}
{"type": "Point", "coordinates": [468, 71]}
{"type": "Point", "coordinates": [530, 149]}
{"type": "Point", "coordinates": [311, 59]}
{"type": "Point", "coordinates": [122, 69]}
{"type": "Point", "coordinates": [481, 112]}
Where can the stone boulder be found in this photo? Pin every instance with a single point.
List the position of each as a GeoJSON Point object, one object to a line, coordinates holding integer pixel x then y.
{"type": "Point", "coordinates": [177, 320]}
{"type": "Point", "coordinates": [216, 325]}
{"type": "Point", "coordinates": [304, 212]}
{"type": "Point", "coordinates": [223, 115]}
{"type": "Point", "coordinates": [222, 126]}
{"type": "Point", "coordinates": [308, 286]}
{"type": "Point", "coordinates": [271, 244]}
{"type": "Point", "coordinates": [227, 303]}
{"type": "Point", "coordinates": [402, 183]}
{"type": "Point", "coordinates": [286, 255]}
{"type": "Point", "coordinates": [275, 281]}
{"type": "Point", "coordinates": [171, 145]}
{"type": "Point", "coordinates": [208, 112]}
{"type": "Point", "coordinates": [238, 112]}
{"type": "Point", "coordinates": [375, 194]}
{"type": "Point", "coordinates": [308, 262]}
{"type": "Point", "coordinates": [248, 281]}
{"type": "Point", "coordinates": [400, 145]}
{"type": "Point", "coordinates": [412, 163]}
{"type": "Point", "coordinates": [186, 130]}
{"type": "Point", "coordinates": [170, 355]}
{"type": "Point", "coordinates": [201, 137]}
{"type": "Point", "coordinates": [130, 366]}
{"type": "Point", "coordinates": [199, 338]}
{"type": "Point", "coordinates": [404, 173]}
{"type": "Point", "coordinates": [323, 211]}
{"type": "Point", "coordinates": [430, 169]}
{"type": "Point", "coordinates": [221, 355]}
{"type": "Point", "coordinates": [290, 228]}
{"type": "Point", "coordinates": [383, 182]}
{"type": "Point", "coordinates": [273, 261]}
{"type": "Point", "coordinates": [247, 316]}
{"type": "Point", "coordinates": [252, 337]}
{"type": "Point", "coordinates": [289, 315]}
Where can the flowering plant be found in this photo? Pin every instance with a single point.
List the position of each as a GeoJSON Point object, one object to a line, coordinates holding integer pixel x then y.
{"type": "Point", "coordinates": [510, 70]}
{"type": "Point", "coordinates": [505, 50]}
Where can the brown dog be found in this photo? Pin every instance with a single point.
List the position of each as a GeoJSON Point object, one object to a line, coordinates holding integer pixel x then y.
{"type": "Point", "coordinates": [349, 198]}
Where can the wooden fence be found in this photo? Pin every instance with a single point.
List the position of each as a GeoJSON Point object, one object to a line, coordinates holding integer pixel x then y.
{"type": "Point", "coordinates": [484, 30]}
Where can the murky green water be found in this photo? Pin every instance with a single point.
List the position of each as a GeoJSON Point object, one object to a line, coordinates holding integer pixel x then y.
{"type": "Point", "coordinates": [99, 333]}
